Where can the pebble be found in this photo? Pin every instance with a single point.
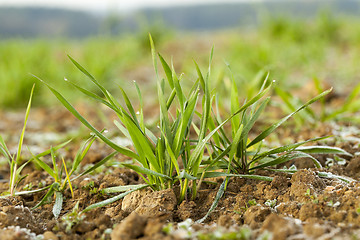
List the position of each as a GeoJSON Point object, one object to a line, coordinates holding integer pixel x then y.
{"type": "Point", "coordinates": [50, 236]}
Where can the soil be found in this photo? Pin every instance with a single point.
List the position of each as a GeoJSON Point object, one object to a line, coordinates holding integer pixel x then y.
{"type": "Point", "coordinates": [299, 206]}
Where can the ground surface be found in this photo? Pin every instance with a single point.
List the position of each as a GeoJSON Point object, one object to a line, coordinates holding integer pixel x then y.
{"type": "Point", "coordinates": [299, 206]}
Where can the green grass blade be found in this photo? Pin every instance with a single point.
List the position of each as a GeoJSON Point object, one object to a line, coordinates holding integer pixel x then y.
{"type": "Point", "coordinates": [253, 118]}
{"type": "Point", "coordinates": [286, 148]}
{"type": "Point", "coordinates": [185, 122]}
{"type": "Point", "coordinates": [27, 192]}
{"type": "Point", "coordinates": [270, 129]}
{"type": "Point", "coordinates": [184, 175]}
{"type": "Point", "coordinates": [146, 171]}
{"type": "Point", "coordinates": [286, 158]}
{"type": "Point", "coordinates": [92, 95]}
{"type": "Point", "coordinates": [113, 199]}
{"type": "Point", "coordinates": [141, 111]}
{"type": "Point", "coordinates": [98, 164]}
{"type": "Point", "coordinates": [219, 195]}
{"type": "Point", "coordinates": [83, 150]}
{"type": "Point", "coordinates": [66, 104]}
{"type": "Point", "coordinates": [206, 103]}
{"type": "Point", "coordinates": [48, 195]}
{"type": "Point", "coordinates": [167, 70]}
{"type": "Point", "coordinates": [125, 188]}
{"type": "Point", "coordinates": [153, 54]}
{"type": "Point", "coordinates": [55, 167]}
{"type": "Point", "coordinates": [5, 151]}
{"type": "Point", "coordinates": [25, 122]}
{"type": "Point", "coordinates": [334, 176]}
{"type": "Point", "coordinates": [323, 150]}
{"type": "Point", "coordinates": [143, 146]}
{"type": "Point", "coordinates": [249, 176]}
{"type": "Point", "coordinates": [129, 106]}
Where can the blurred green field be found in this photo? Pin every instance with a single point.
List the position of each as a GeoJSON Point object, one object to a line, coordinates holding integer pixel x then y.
{"type": "Point", "coordinates": [293, 51]}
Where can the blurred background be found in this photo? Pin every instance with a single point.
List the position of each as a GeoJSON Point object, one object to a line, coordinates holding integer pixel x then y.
{"type": "Point", "coordinates": [296, 41]}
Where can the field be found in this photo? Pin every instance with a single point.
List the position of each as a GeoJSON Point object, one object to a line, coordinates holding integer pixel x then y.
{"type": "Point", "coordinates": [237, 134]}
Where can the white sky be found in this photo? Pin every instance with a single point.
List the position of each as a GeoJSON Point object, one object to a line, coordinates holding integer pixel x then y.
{"type": "Point", "coordinates": [108, 5]}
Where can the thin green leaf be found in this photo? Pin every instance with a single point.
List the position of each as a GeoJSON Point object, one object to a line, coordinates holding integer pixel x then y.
{"type": "Point", "coordinates": [66, 104]}
{"type": "Point", "coordinates": [322, 150]}
{"type": "Point", "coordinates": [125, 188]}
{"type": "Point", "coordinates": [98, 164]}
{"type": "Point", "coordinates": [219, 195]}
{"type": "Point", "coordinates": [249, 176]}
{"type": "Point", "coordinates": [83, 150]}
{"type": "Point", "coordinates": [286, 158]}
{"type": "Point", "coordinates": [48, 195]}
{"type": "Point", "coordinates": [270, 129]}
{"type": "Point", "coordinates": [146, 171]}
{"type": "Point", "coordinates": [113, 199]}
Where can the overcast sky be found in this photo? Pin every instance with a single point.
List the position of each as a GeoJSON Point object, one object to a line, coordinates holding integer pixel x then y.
{"type": "Point", "coordinates": [106, 5]}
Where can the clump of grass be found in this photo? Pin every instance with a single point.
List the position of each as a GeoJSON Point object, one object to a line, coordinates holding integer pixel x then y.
{"type": "Point", "coordinates": [175, 155]}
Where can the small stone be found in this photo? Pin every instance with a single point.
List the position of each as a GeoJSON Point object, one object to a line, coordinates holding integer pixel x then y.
{"type": "Point", "coordinates": [280, 227]}
{"type": "Point", "coordinates": [50, 236]}
{"type": "Point", "coordinates": [255, 215]}
{"type": "Point", "coordinates": [314, 230]}
{"type": "Point", "coordinates": [130, 228]}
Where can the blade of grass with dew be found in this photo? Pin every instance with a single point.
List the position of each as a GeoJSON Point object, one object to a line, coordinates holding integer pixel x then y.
{"type": "Point", "coordinates": [103, 90]}
{"type": "Point", "coordinates": [59, 198]}
{"type": "Point", "coordinates": [92, 95]}
{"type": "Point", "coordinates": [66, 104]}
{"type": "Point", "coordinates": [125, 188]}
{"type": "Point", "coordinates": [334, 176]}
{"type": "Point", "coordinates": [249, 176]}
{"type": "Point", "coordinates": [141, 111]}
{"type": "Point", "coordinates": [219, 194]}
{"type": "Point", "coordinates": [270, 129]}
{"type": "Point", "coordinates": [27, 192]}
{"type": "Point", "coordinates": [286, 148]}
{"type": "Point", "coordinates": [286, 158]}
{"type": "Point", "coordinates": [113, 199]}
{"type": "Point", "coordinates": [323, 150]}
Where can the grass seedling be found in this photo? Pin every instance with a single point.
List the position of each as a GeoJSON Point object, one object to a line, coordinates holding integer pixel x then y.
{"type": "Point", "coordinates": [345, 112]}
{"type": "Point", "coordinates": [59, 168]}
{"type": "Point", "coordinates": [15, 160]}
{"type": "Point", "coordinates": [240, 157]}
{"type": "Point", "coordinates": [157, 157]}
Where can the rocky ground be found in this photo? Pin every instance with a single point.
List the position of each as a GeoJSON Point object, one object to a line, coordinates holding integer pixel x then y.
{"type": "Point", "coordinates": [304, 205]}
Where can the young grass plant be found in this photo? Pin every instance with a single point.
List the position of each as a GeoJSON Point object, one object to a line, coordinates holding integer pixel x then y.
{"type": "Point", "coordinates": [157, 157]}
{"type": "Point", "coordinates": [158, 154]}
{"type": "Point", "coordinates": [346, 112]}
{"type": "Point", "coordinates": [15, 160]}
{"type": "Point", "coordinates": [240, 157]}
{"type": "Point", "coordinates": [57, 171]}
